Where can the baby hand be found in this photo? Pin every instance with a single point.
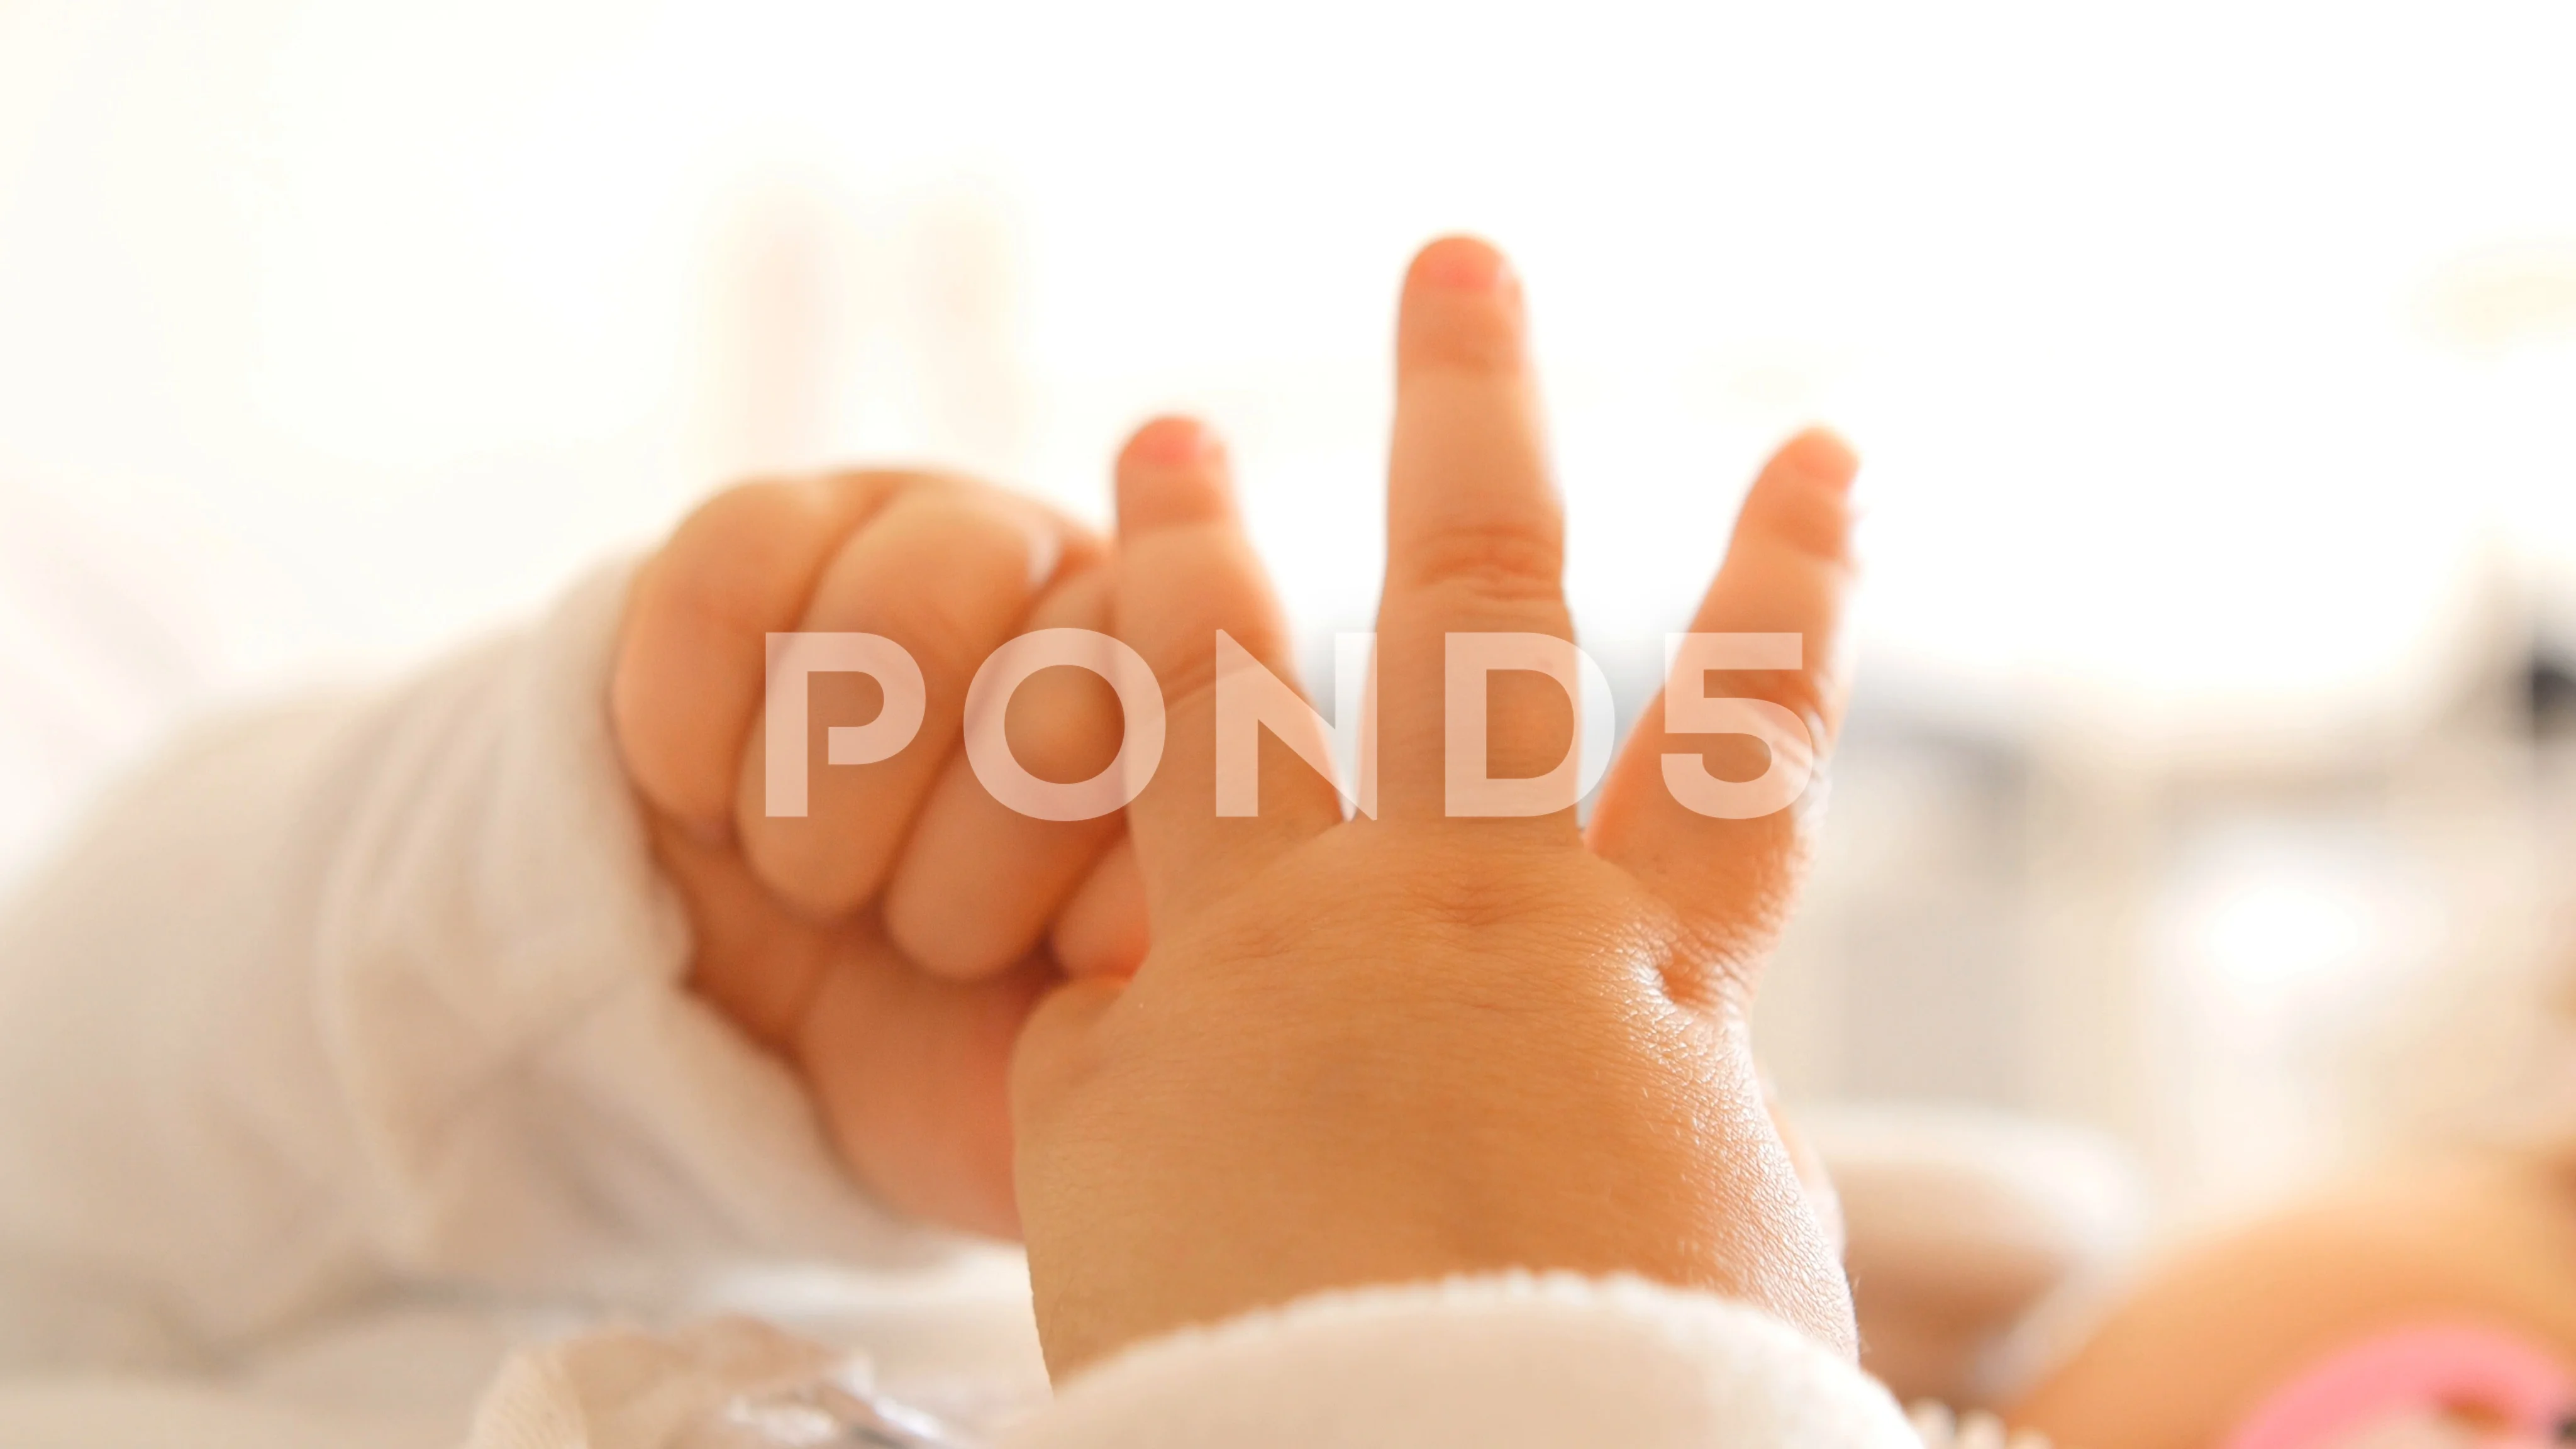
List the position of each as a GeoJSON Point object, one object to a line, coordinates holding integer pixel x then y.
{"type": "Point", "coordinates": [1401, 1048]}
{"type": "Point", "coordinates": [884, 943]}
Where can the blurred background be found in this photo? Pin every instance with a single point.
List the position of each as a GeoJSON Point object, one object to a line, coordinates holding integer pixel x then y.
{"type": "Point", "coordinates": [2213, 776]}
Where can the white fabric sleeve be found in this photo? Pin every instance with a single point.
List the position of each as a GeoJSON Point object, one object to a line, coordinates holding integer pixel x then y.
{"type": "Point", "coordinates": [1497, 1362]}
{"type": "Point", "coordinates": [377, 993]}
{"type": "Point", "coordinates": [1493, 1362]}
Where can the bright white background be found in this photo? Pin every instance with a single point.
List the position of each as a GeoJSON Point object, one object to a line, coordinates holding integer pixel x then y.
{"type": "Point", "coordinates": [381, 318]}
{"type": "Point", "coordinates": [2214, 364]}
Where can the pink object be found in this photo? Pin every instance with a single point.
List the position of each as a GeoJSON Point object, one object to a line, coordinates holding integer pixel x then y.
{"type": "Point", "coordinates": [2522, 1395]}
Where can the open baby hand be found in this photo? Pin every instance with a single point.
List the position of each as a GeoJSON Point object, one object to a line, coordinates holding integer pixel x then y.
{"type": "Point", "coordinates": [886, 942]}
{"type": "Point", "coordinates": [1399, 1048]}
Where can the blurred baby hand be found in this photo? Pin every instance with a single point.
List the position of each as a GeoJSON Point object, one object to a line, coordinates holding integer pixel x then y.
{"type": "Point", "coordinates": [886, 942]}
{"type": "Point", "coordinates": [1399, 1048]}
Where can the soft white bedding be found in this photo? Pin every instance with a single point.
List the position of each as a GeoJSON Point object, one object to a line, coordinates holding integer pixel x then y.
{"type": "Point", "coordinates": [345, 1048]}
{"type": "Point", "coordinates": [95, 663]}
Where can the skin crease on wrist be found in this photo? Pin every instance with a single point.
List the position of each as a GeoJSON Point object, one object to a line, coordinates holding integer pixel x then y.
{"type": "Point", "coordinates": [1398, 1049]}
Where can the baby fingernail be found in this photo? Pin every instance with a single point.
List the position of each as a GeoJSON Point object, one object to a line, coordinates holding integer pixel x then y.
{"type": "Point", "coordinates": [1463, 264]}
{"type": "Point", "coordinates": [1827, 458]}
{"type": "Point", "coordinates": [1173, 441]}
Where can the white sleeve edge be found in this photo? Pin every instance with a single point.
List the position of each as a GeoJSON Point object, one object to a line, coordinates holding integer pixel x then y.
{"type": "Point", "coordinates": [1503, 1360]}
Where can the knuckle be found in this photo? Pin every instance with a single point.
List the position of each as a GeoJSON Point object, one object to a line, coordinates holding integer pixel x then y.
{"type": "Point", "coordinates": [1255, 950]}
{"type": "Point", "coordinates": [867, 484]}
{"type": "Point", "coordinates": [740, 559]}
{"type": "Point", "coordinates": [948, 579]}
{"type": "Point", "coordinates": [1506, 561]}
{"type": "Point", "coordinates": [1472, 342]}
{"type": "Point", "coordinates": [945, 645]}
{"type": "Point", "coordinates": [1470, 897]}
{"type": "Point", "coordinates": [816, 887]}
{"type": "Point", "coordinates": [1187, 677]}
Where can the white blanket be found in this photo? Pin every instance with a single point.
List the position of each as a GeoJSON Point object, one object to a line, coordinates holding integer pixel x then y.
{"type": "Point", "coordinates": [345, 1051]}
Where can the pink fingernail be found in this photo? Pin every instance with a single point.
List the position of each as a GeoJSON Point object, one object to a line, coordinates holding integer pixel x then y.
{"type": "Point", "coordinates": [1171, 441]}
{"type": "Point", "coordinates": [1826, 457]}
{"type": "Point", "coordinates": [1463, 264]}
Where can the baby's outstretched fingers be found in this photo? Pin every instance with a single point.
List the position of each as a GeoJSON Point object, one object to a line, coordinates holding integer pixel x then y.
{"type": "Point", "coordinates": [1475, 536]}
{"type": "Point", "coordinates": [1186, 572]}
{"type": "Point", "coordinates": [1406, 1048]}
{"type": "Point", "coordinates": [1721, 835]}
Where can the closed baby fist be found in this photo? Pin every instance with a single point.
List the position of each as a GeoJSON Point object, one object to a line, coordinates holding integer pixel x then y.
{"type": "Point", "coordinates": [887, 941]}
